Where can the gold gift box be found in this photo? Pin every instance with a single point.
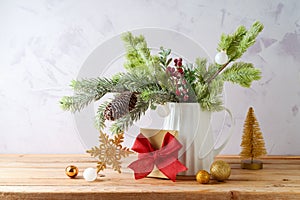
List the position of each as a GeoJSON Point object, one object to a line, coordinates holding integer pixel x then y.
{"type": "Point", "coordinates": [156, 137]}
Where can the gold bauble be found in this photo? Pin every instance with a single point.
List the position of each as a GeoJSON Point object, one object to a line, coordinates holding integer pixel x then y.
{"type": "Point", "coordinates": [202, 176]}
{"type": "Point", "coordinates": [71, 171]}
{"type": "Point", "coordinates": [220, 170]}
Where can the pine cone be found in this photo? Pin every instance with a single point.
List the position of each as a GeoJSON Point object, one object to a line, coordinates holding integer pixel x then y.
{"type": "Point", "coordinates": [120, 106]}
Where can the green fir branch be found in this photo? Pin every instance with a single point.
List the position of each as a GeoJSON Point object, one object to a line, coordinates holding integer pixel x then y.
{"type": "Point", "coordinates": [201, 90]}
{"type": "Point", "coordinates": [241, 73]}
{"type": "Point", "coordinates": [99, 118]}
{"type": "Point", "coordinates": [210, 95]}
{"type": "Point", "coordinates": [231, 43]}
{"type": "Point", "coordinates": [138, 81]}
{"type": "Point", "coordinates": [213, 100]}
{"type": "Point", "coordinates": [133, 58]}
{"type": "Point", "coordinates": [201, 67]}
{"type": "Point", "coordinates": [216, 86]}
{"type": "Point", "coordinates": [212, 103]}
{"type": "Point", "coordinates": [87, 91]}
{"type": "Point", "coordinates": [158, 96]}
{"type": "Point", "coordinates": [249, 39]}
{"type": "Point", "coordinates": [138, 55]}
{"type": "Point", "coordinates": [236, 44]}
{"type": "Point", "coordinates": [76, 102]}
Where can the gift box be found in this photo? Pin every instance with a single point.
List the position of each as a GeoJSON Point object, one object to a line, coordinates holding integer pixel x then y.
{"type": "Point", "coordinates": [157, 154]}
{"type": "Point", "coordinates": [156, 137]}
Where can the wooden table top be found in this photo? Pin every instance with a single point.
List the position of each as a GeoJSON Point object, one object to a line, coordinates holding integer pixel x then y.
{"type": "Point", "coordinates": [43, 177]}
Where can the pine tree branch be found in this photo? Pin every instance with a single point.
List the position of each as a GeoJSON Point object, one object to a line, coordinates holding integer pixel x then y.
{"type": "Point", "coordinates": [242, 74]}
{"type": "Point", "coordinates": [235, 45]}
{"type": "Point", "coordinates": [200, 69]}
{"type": "Point", "coordinates": [88, 90]}
{"type": "Point", "coordinates": [138, 81]}
{"type": "Point", "coordinates": [157, 96]}
{"type": "Point", "coordinates": [249, 38]}
{"type": "Point", "coordinates": [100, 118]}
{"type": "Point", "coordinates": [138, 54]}
{"type": "Point", "coordinates": [133, 58]}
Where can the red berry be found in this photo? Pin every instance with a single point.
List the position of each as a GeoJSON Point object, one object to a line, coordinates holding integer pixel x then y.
{"type": "Point", "coordinates": [175, 61]}
{"type": "Point", "coordinates": [180, 59]}
{"type": "Point", "coordinates": [179, 63]}
{"type": "Point", "coordinates": [186, 97]}
{"type": "Point", "coordinates": [180, 70]}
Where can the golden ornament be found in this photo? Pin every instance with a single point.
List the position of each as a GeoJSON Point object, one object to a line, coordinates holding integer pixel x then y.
{"type": "Point", "coordinates": [220, 170]}
{"type": "Point", "coordinates": [202, 176]}
{"type": "Point", "coordinates": [71, 171]}
{"type": "Point", "coordinates": [110, 152]}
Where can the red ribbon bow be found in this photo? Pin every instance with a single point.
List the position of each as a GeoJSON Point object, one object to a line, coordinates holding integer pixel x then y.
{"type": "Point", "coordinates": [165, 159]}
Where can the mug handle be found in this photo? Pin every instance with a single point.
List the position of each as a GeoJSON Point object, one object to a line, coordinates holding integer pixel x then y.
{"type": "Point", "coordinates": [216, 151]}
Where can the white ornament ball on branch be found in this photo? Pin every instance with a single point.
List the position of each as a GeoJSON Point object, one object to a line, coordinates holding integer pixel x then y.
{"type": "Point", "coordinates": [221, 58]}
{"type": "Point", "coordinates": [163, 110]}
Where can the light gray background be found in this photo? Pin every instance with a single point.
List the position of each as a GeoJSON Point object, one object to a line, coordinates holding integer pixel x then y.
{"type": "Point", "coordinates": [44, 43]}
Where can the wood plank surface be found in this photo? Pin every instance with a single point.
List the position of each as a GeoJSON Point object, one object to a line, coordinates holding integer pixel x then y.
{"type": "Point", "coordinates": [43, 177]}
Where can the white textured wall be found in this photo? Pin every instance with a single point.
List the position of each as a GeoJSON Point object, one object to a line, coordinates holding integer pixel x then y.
{"type": "Point", "coordinates": [43, 44]}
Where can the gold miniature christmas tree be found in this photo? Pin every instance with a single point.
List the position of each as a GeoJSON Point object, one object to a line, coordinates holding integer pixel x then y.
{"type": "Point", "coordinates": [253, 145]}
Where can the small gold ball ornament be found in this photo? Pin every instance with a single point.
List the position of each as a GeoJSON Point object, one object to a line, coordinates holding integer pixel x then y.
{"type": "Point", "coordinates": [220, 170]}
{"type": "Point", "coordinates": [202, 176]}
{"type": "Point", "coordinates": [71, 171]}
